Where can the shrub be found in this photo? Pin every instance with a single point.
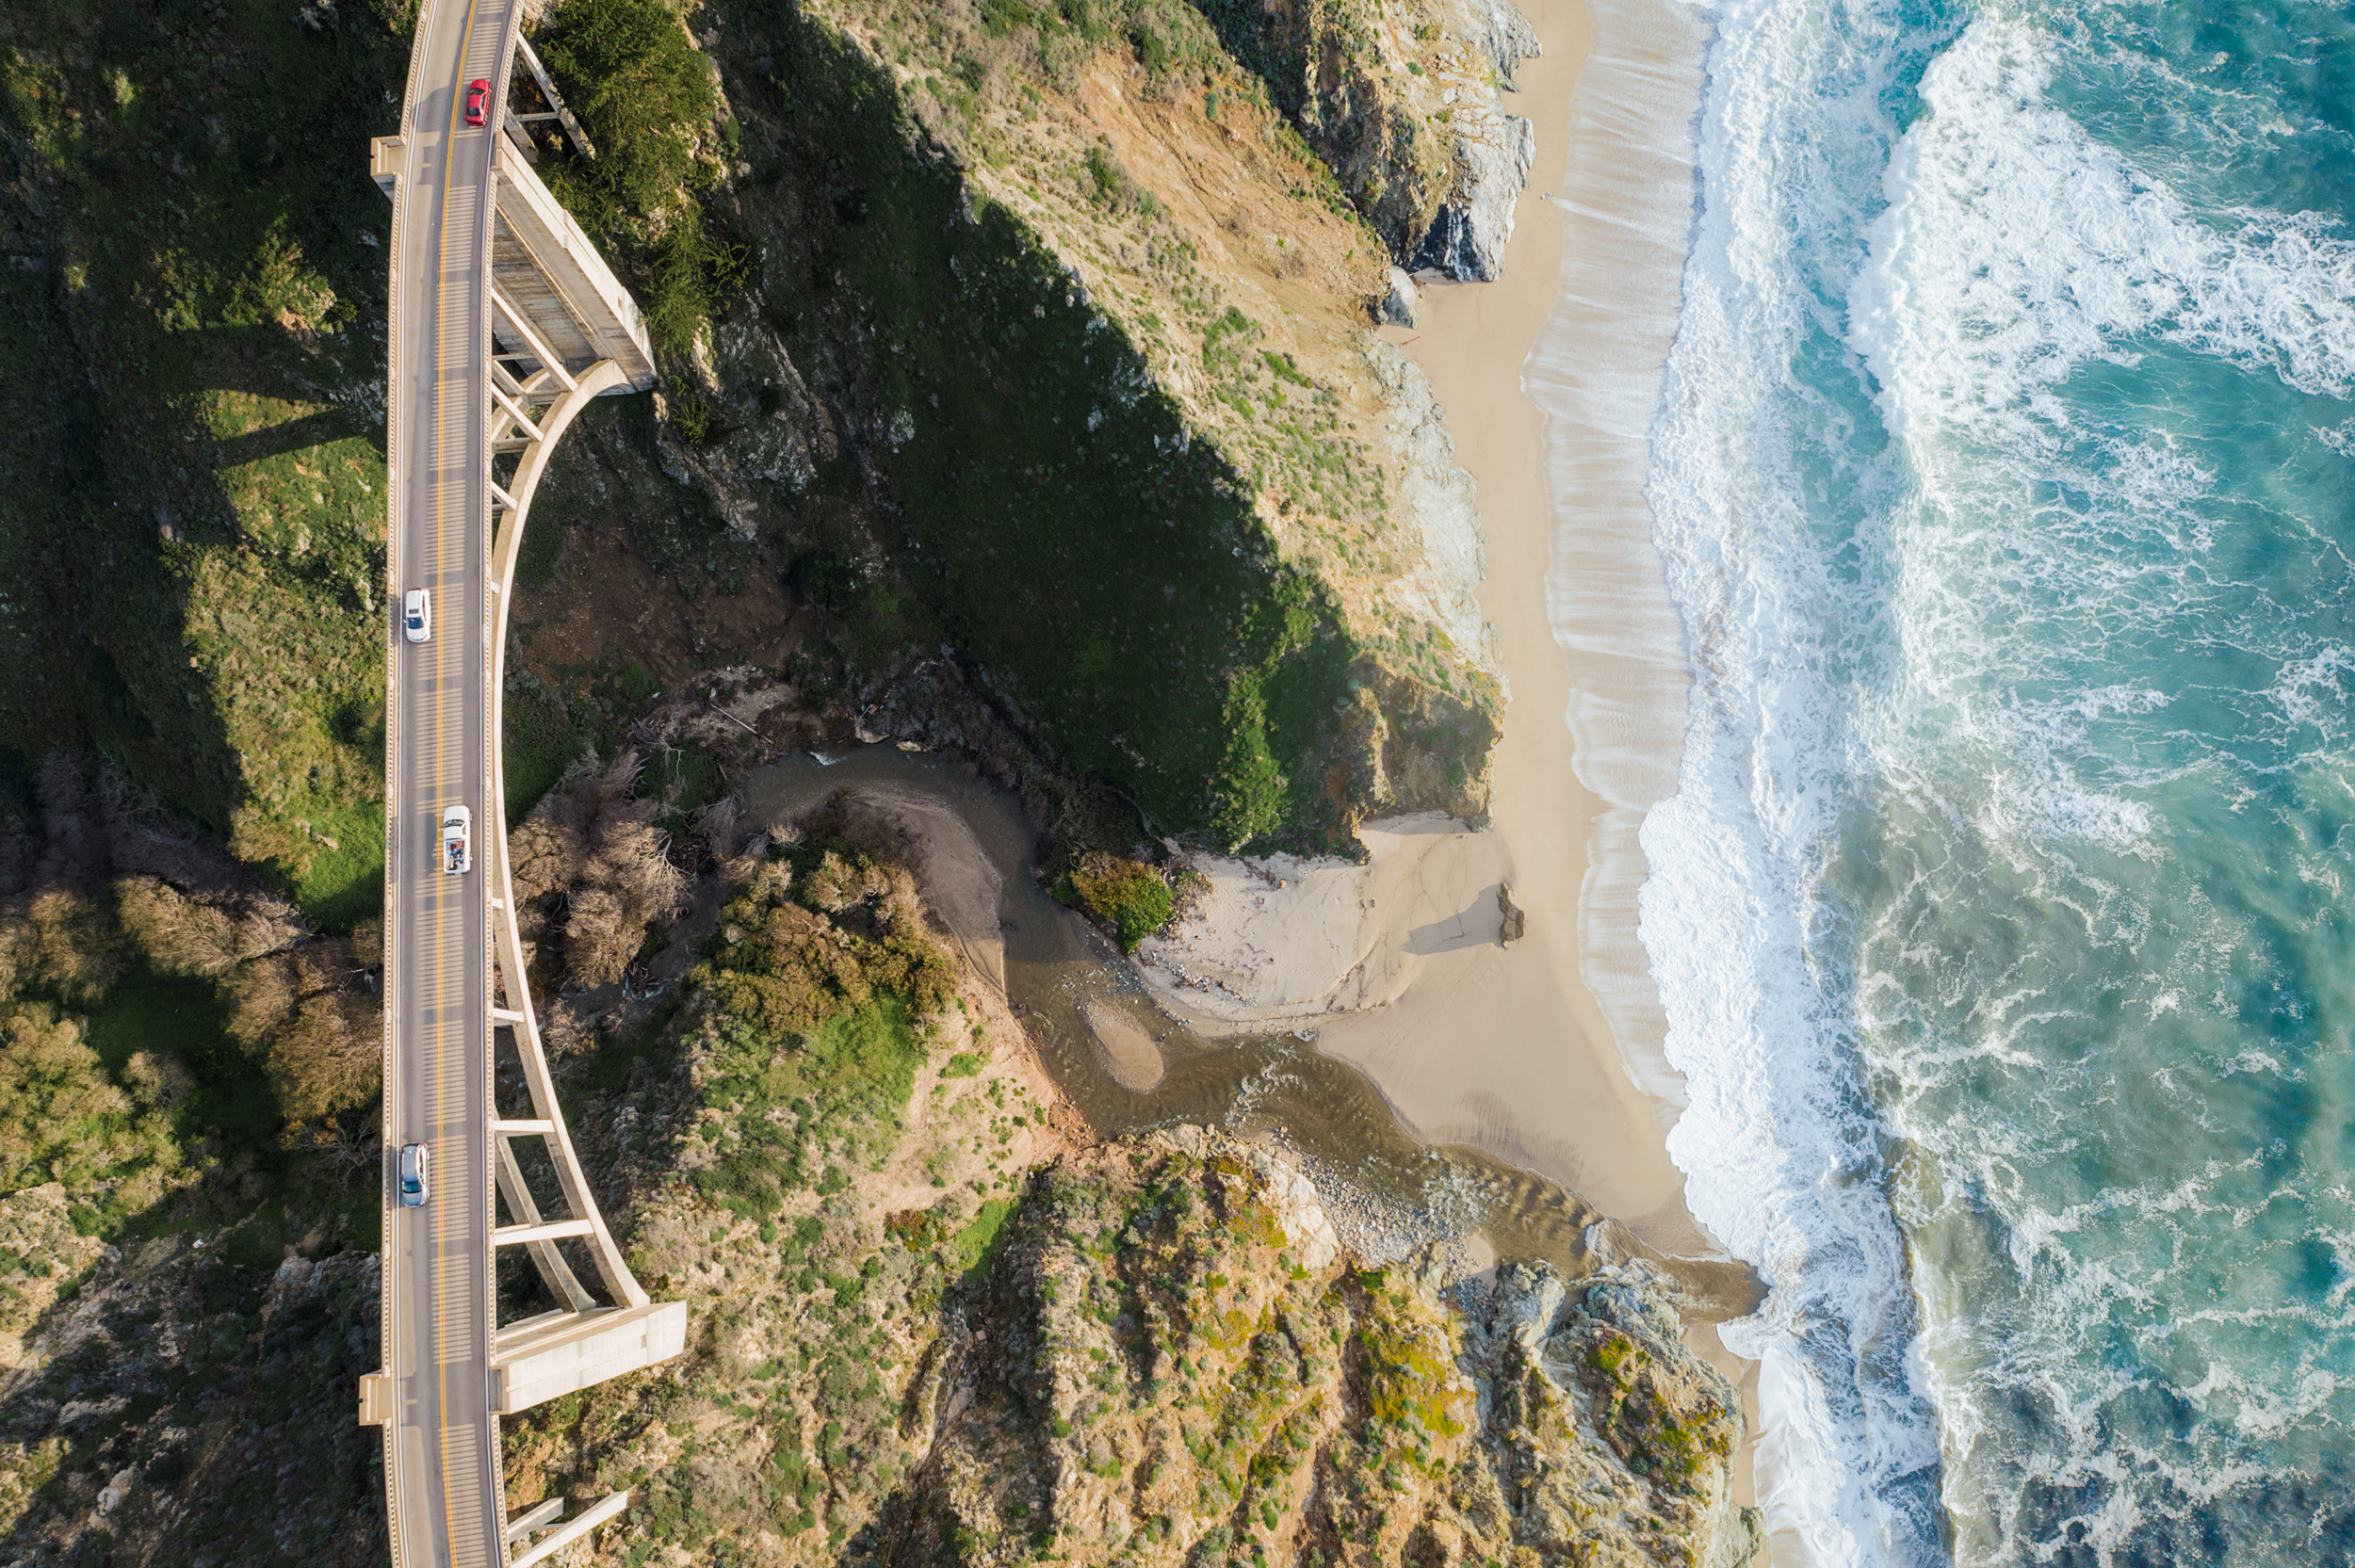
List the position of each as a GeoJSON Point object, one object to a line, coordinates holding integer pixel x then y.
{"type": "Point", "coordinates": [320, 1043]}
{"type": "Point", "coordinates": [180, 935]}
{"type": "Point", "coordinates": [594, 843]}
{"type": "Point", "coordinates": [640, 90]}
{"type": "Point", "coordinates": [62, 941]}
{"type": "Point", "coordinates": [1131, 897]}
{"type": "Point", "coordinates": [801, 950]}
{"type": "Point", "coordinates": [62, 1120]}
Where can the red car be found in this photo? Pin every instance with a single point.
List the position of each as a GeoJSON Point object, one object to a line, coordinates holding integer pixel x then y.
{"type": "Point", "coordinates": [478, 101]}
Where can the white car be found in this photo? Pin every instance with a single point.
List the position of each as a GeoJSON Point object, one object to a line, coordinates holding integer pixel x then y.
{"type": "Point", "coordinates": [415, 1176]}
{"type": "Point", "coordinates": [457, 841]}
{"type": "Point", "coordinates": [417, 615]}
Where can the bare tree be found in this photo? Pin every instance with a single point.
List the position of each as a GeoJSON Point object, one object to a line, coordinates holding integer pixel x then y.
{"type": "Point", "coordinates": [594, 843]}
{"type": "Point", "coordinates": [207, 937]}
{"type": "Point", "coordinates": [738, 846]}
{"type": "Point", "coordinates": [262, 998]}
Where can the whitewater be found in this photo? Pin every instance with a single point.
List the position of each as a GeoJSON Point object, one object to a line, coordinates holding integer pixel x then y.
{"type": "Point", "coordinates": [1997, 913]}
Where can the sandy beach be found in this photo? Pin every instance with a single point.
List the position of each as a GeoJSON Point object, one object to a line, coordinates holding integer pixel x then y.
{"type": "Point", "coordinates": [1507, 1048]}
{"type": "Point", "coordinates": [1398, 966]}
{"type": "Point", "coordinates": [1545, 1052]}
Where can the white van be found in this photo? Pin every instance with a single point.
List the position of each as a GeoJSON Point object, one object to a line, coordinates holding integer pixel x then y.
{"type": "Point", "coordinates": [457, 841]}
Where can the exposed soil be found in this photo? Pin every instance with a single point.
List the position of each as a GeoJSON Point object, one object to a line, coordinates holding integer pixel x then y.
{"type": "Point", "coordinates": [605, 605]}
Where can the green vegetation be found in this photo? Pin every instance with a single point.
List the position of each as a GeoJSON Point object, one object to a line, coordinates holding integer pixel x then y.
{"type": "Point", "coordinates": [1164, 646]}
{"type": "Point", "coordinates": [803, 1035]}
{"type": "Point", "coordinates": [818, 934]}
{"type": "Point", "coordinates": [628, 72]}
{"type": "Point", "coordinates": [62, 1117]}
{"type": "Point", "coordinates": [194, 515]}
{"type": "Point", "coordinates": [543, 741]}
{"type": "Point", "coordinates": [265, 1032]}
{"type": "Point", "coordinates": [648, 101]}
{"type": "Point", "coordinates": [819, 997]}
{"type": "Point", "coordinates": [1131, 897]}
{"type": "Point", "coordinates": [219, 1088]}
{"type": "Point", "coordinates": [971, 1250]}
{"type": "Point", "coordinates": [682, 781]}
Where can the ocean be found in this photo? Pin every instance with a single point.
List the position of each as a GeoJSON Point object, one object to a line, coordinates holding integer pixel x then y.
{"type": "Point", "coordinates": [1998, 915]}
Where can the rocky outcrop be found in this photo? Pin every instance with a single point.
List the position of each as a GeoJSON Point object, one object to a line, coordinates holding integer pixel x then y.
{"type": "Point", "coordinates": [1493, 153]}
{"type": "Point", "coordinates": [1398, 304]}
{"type": "Point", "coordinates": [186, 1403]}
{"type": "Point", "coordinates": [1493, 148]}
{"type": "Point", "coordinates": [1157, 1374]}
{"type": "Point", "coordinates": [1402, 99]}
{"type": "Point", "coordinates": [1609, 1432]}
{"type": "Point", "coordinates": [1442, 503]}
{"type": "Point", "coordinates": [41, 1256]}
{"type": "Point", "coordinates": [1513, 921]}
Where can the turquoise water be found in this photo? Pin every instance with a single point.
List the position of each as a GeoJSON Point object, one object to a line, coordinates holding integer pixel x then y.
{"type": "Point", "coordinates": [2001, 915]}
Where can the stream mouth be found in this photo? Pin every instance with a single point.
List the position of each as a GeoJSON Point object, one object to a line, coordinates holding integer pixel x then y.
{"type": "Point", "coordinates": [1098, 1034]}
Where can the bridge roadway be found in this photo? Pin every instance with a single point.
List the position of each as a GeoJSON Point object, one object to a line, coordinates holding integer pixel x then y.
{"type": "Point", "coordinates": [479, 247]}
{"type": "Point", "coordinates": [444, 1491]}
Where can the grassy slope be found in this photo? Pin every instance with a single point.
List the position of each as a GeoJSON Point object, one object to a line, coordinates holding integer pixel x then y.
{"type": "Point", "coordinates": [191, 524]}
{"type": "Point", "coordinates": [1112, 580]}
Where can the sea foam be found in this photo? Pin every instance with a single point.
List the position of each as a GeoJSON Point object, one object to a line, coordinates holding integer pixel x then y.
{"type": "Point", "coordinates": [1981, 572]}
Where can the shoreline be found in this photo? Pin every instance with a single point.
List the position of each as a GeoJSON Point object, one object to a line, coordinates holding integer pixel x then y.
{"type": "Point", "coordinates": [1546, 1053]}
{"type": "Point", "coordinates": [1397, 964]}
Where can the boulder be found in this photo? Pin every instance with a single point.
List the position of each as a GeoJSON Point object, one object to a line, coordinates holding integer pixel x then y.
{"type": "Point", "coordinates": [1515, 922]}
{"type": "Point", "coordinates": [1398, 306]}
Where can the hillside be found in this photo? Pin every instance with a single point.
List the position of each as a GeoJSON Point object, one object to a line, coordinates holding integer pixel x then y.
{"type": "Point", "coordinates": [933, 1321]}
{"type": "Point", "coordinates": [1042, 345]}
{"type": "Point", "coordinates": [1019, 402]}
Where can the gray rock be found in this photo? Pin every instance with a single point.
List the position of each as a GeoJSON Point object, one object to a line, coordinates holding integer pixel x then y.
{"type": "Point", "coordinates": [1640, 1312]}
{"type": "Point", "coordinates": [1515, 923]}
{"type": "Point", "coordinates": [1443, 578]}
{"type": "Point", "coordinates": [1398, 306]}
{"type": "Point", "coordinates": [1500, 32]}
{"type": "Point", "coordinates": [1526, 1304]}
{"type": "Point", "coordinates": [1493, 151]}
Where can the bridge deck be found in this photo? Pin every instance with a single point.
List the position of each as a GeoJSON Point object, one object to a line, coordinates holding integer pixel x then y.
{"type": "Point", "coordinates": [459, 221]}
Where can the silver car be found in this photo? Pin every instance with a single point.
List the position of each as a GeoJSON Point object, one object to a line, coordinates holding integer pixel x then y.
{"type": "Point", "coordinates": [416, 1184]}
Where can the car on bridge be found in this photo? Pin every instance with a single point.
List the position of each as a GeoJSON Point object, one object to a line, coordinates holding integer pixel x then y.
{"type": "Point", "coordinates": [457, 841]}
{"type": "Point", "coordinates": [478, 101]}
{"type": "Point", "coordinates": [417, 615]}
{"type": "Point", "coordinates": [415, 1176]}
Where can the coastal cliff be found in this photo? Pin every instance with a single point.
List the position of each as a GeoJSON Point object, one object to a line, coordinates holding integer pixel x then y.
{"type": "Point", "coordinates": [1402, 100]}
{"type": "Point", "coordinates": [1022, 400]}
{"type": "Point", "coordinates": [1167, 1366]}
{"type": "Point", "coordinates": [1007, 269]}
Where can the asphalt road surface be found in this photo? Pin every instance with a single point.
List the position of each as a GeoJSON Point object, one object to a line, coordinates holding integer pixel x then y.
{"type": "Point", "coordinates": [444, 1493]}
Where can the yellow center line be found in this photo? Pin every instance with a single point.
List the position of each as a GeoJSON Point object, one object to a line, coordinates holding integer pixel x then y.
{"type": "Point", "coordinates": [438, 1228]}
